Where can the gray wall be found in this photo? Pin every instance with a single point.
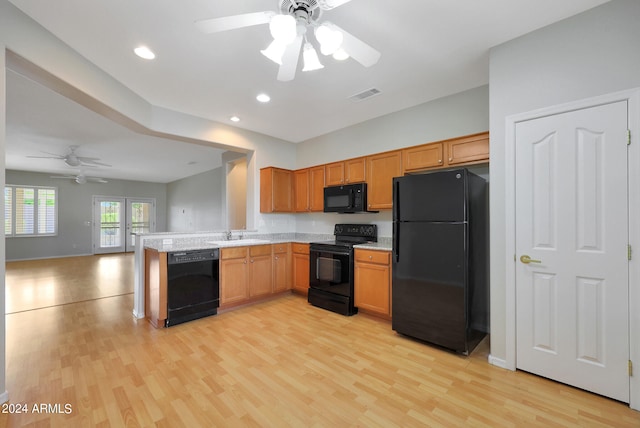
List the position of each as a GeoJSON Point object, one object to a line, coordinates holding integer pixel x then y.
{"type": "Point", "coordinates": [453, 116]}
{"type": "Point", "coordinates": [195, 203]}
{"type": "Point", "coordinates": [74, 211]}
{"type": "Point", "coordinates": [590, 54]}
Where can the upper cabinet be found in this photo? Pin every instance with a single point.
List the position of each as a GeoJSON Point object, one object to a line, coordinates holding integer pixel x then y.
{"type": "Point", "coordinates": [345, 172]}
{"type": "Point", "coordinates": [282, 190]}
{"type": "Point", "coordinates": [381, 169]}
{"type": "Point", "coordinates": [301, 190]}
{"type": "Point", "coordinates": [276, 190]}
{"type": "Point", "coordinates": [308, 185]}
{"type": "Point", "coordinates": [421, 157]}
{"type": "Point", "coordinates": [469, 149]}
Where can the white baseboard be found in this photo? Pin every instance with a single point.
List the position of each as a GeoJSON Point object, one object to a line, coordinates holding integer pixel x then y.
{"type": "Point", "coordinates": [498, 362]}
{"type": "Point", "coordinates": [4, 397]}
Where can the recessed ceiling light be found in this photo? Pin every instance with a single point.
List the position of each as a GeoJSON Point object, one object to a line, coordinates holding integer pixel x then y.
{"type": "Point", "coordinates": [144, 52]}
{"type": "Point", "coordinates": [263, 98]}
{"type": "Point", "coordinates": [234, 119]}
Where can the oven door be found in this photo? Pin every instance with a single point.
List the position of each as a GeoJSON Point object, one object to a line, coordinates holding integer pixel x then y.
{"type": "Point", "coordinates": [331, 271]}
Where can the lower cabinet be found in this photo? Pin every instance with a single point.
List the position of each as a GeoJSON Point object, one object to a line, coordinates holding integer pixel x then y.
{"type": "Point", "coordinates": [245, 272]}
{"type": "Point", "coordinates": [281, 267]}
{"type": "Point", "coordinates": [300, 258]}
{"type": "Point", "coordinates": [372, 286]}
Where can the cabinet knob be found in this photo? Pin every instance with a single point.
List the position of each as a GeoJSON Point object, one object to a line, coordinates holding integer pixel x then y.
{"type": "Point", "coordinates": [245, 262]}
{"type": "Point", "coordinates": [251, 260]}
{"type": "Point", "coordinates": [450, 159]}
{"type": "Point", "coordinates": [370, 257]}
{"type": "Point", "coordinates": [439, 160]}
{"type": "Point", "coordinates": [276, 257]}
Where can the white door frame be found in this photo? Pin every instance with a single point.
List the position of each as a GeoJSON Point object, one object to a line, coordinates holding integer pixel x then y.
{"type": "Point", "coordinates": [633, 99]}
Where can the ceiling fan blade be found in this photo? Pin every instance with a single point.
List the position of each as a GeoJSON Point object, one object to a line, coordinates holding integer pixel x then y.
{"type": "Point", "coordinates": [91, 161]}
{"type": "Point", "coordinates": [358, 50]}
{"type": "Point", "coordinates": [216, 25]}
{"type": "Point", "coordinates": [46, 157]}
{"type": "Point", "coordinates": [96, 180]}
{"type": "Point", "coordinates": [331, 4]}
{"type": "Point", "coordinates": [287, 70]}
{"type": "Point", "coordinates": [68, 177]}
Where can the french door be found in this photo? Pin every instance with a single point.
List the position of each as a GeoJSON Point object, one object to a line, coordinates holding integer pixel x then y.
{"type": "Point", "coordinates": [117, 220]}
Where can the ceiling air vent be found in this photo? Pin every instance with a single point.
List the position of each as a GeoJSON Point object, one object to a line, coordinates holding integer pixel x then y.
{"type": "Point", "coordinates": [364, 95]}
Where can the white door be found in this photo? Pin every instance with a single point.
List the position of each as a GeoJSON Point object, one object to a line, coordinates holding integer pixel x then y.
{"type": "Point", "coordinates": [117, 220]}
{"type": "Point", "coordinates": [109, 226]}
{"type": "Point", "coordinates": [572, 222]}
{"type": "Point", "coordinates": [140, 214]}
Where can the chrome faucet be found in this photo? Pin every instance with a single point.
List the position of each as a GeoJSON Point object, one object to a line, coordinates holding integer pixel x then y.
{"type": "Point", "coordinates": [229, 235]}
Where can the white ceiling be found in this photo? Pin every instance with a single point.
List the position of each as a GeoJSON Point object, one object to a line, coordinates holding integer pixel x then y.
{"type": "Point", "coordinates": [430, 49]}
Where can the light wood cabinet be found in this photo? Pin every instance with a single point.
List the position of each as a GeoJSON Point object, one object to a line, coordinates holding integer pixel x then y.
{"type": "Point", "coordinates": [381, 169]}
{"type": "Point", "coordinates": [334, 173]}
{"type": "Point", "coordinates": [345, 172]}
{"type": "Point", "coordinates": [316, 189]}
{"type": "Point", "coordinates": [234, 275]}
{"type": "Point", "coordinates": [301, 190]}
{"type": "Point", "coordinates": [372, 281]}
{"type": "Point", "coordinates": [354, 170]}
{"type": "Point", "coordinates": [155, 287]}
{"type": "Point", "coordinates": [260, 270]}
{"type": "Point", "coordinates": [422, 157]}
{"type": "Point", "coordinates": [245, 272]}
{"type": "Point", "coordinates": [308, 187]}
{"type": "Point", "coordinates": [276, 190]}
{"type": "Point", "coordinates": [300, 258]}
{"type": "Point", "coordinates": [468, 150]}
{"type": "Point", "coordinates": [281, 267]}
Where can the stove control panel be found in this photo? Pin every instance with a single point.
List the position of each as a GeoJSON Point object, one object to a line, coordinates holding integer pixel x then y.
{"type": "Point", "coordinates": [369, 231]}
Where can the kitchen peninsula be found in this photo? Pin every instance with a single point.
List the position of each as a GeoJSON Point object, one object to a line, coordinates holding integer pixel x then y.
{"type": "Point", "coordinates": [253, 268]}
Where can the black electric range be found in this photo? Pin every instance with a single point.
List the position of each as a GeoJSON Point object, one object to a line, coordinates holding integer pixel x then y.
{"type": "Point", "coordinates": [331, 273]}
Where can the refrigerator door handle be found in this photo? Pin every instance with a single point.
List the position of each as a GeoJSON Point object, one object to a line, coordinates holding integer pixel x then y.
{"type": "Point", "coordinates": [396, 199]}
{"type": "Point", "coordinates": [396, 240]}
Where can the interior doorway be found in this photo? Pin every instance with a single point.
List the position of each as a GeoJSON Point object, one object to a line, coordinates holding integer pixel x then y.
{"type": "Point", "coordinates": [117, 220]}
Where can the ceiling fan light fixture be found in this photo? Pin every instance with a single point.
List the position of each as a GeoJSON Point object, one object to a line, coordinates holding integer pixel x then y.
{"type": "Point", "coordinates": [340, 55]}
{"type": "Point", "coordinates": [275, 51]}
{"type": "Point", "coordinates": [283, 28]}
{"type": "Point", "coordinates": [144, 52]}
{"type": "Point", "coordinates": [310, 57]}
{"type": "Point", "coordinates": [329, 38]}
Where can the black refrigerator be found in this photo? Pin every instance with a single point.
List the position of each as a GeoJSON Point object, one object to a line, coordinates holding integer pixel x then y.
{"type": "Point", "coordinates": [440, 258]}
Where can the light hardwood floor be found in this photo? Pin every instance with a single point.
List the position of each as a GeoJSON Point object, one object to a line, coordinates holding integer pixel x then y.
{"type": "Point", "coordinates": [278, 363]}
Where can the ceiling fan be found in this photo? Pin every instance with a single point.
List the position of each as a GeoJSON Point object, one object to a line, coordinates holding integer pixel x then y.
{"type": "Point", "coordinates": [81, 178]}
{"type": "Point", "coordinates": [72, 159]}
{"type": "Point", "coordinates": [289, 29]}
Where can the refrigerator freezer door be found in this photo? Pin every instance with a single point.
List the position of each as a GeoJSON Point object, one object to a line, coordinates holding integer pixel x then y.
{"type": "Point", "coordinates": [429, 283]}
{"type": "Point", "coordinates": [437, 196]}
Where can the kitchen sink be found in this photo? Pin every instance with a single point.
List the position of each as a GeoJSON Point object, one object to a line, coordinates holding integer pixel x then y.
{"type": "Point", "coordinates": [238, 242]}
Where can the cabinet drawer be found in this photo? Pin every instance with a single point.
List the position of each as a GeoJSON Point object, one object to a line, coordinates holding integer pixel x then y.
{"type": "Point", "coordinates": [260, 250]}
{"type": "Point", "coordinates": [300, 248]}
{"type": "Point", "coordinates": [233, 253]}
{"type": "Point", "coordinates": [280, 248]}
{"type": "Point", "coordinates": [372, 256]}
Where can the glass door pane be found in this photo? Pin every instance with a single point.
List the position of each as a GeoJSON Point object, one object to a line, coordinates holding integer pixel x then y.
{"type": "Point", "coordinates": [109, 225]}
{"type": "Point", "coordinates": [140, 219]}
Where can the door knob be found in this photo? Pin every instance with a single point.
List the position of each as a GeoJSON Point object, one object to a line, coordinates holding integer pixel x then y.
{"type": "Point", "coordinates": [526, 259]}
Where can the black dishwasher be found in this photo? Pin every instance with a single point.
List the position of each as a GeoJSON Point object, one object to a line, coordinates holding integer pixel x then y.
{"type": "Point", "coordinates": [193, 290]}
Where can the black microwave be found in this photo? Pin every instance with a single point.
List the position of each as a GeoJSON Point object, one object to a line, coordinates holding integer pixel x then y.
{"type": "Point", "coordinates": [350, 198]}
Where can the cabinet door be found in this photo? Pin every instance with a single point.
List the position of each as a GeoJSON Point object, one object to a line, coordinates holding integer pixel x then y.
{"type": "Point", "coordinates": [301, 186]}
{"type": "Point", "coordinates": [334, 174]}
{"type": "Point", "coordinates": [354, 170]}
{"type": "Point", "coordinates": [316, 189]}
{"type": "Point", "coordinates": [380, 172]}
{"type": "Point", "coordinates": [422, 157]}
{"type": "Point", "coordinates": [372, 287]}
{"type": "Point", "coordinates": [276, 190]}
{"type": "Point", "coordinates": [260, 276]}
{"type": "Point", "coordinates": [471, 149]}
{"type": "Point", "coordinates": [233, 280]}
{"type": "Point", "coordinates": [301, 273]}
{"type": "Point", "coordinates": [281, 271]}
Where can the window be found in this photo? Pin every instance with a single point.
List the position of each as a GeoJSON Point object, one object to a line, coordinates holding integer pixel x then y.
{"type": "Point", "coordinates": [30, 211]}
